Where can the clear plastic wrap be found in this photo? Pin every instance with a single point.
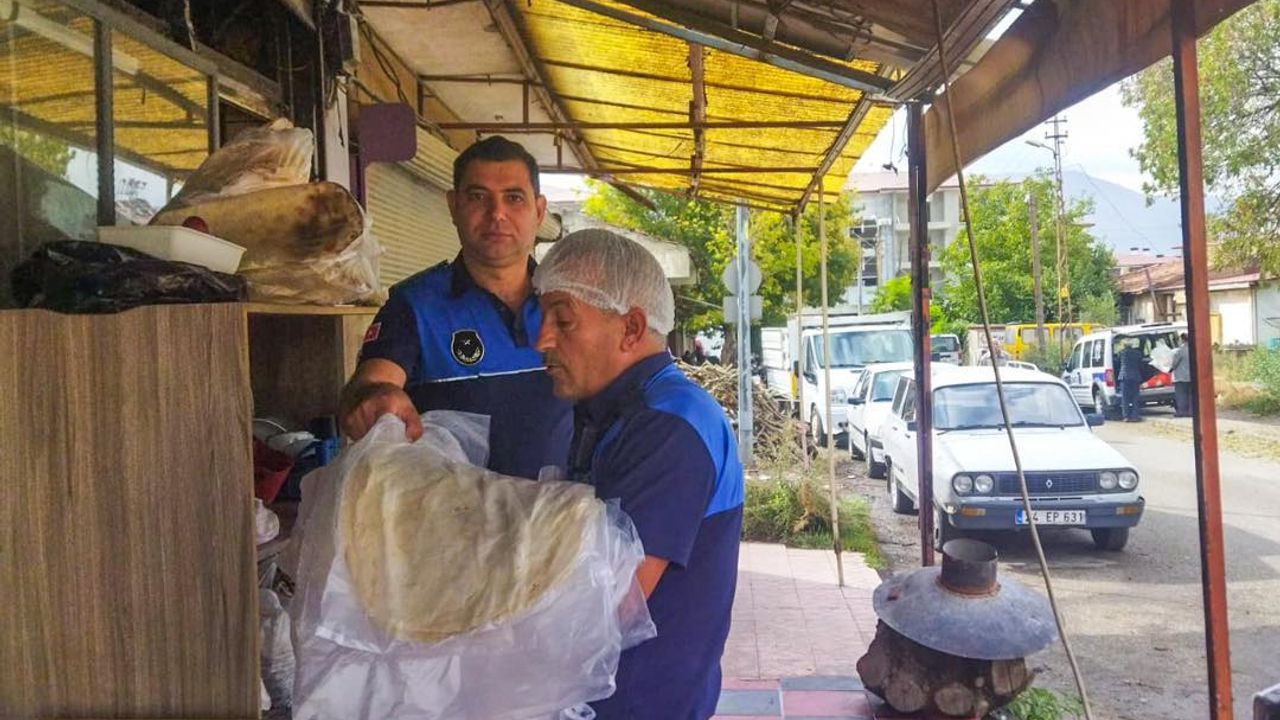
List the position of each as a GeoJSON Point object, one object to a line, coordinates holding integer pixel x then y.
{"type": "Point", "coordinates": [561, 650]}
{"type": "Point", "coordinates": [273, 155]}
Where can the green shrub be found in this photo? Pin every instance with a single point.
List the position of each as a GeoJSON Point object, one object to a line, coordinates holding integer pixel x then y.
{"type": "Point", "coordinates": [1041, 704]}
{"type": "Point", "coordinates": [1264, 370]}
{"type": "Point", "coordinates": [1048, 358]}
{"type": "Point", "coordinates": [795, 511]}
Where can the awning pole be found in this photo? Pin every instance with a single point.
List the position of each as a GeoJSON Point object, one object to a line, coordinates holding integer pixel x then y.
{"type": "Point", "coordinates": [798, 361]}
{"type": "Point", "coordinates": [919, 252]}
{"type": "Point", "coordinates": [826, 381]}
{"type": "Point", "coordinates": [1195, 253]}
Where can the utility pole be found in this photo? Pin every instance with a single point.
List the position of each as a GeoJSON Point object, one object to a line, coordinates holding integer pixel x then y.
{"type": "Point", "coordinates": [1064, 276]}
{"type": "Point", "coordinates": [1034, 221]}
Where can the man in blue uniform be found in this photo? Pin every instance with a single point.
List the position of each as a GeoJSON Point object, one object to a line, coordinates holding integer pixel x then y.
{"type": "Point", "coordinates": [459, 336]}
{"type": "Point", "coordinates": [648, 436]}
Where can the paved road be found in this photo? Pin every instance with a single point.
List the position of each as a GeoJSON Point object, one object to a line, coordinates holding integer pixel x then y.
{"type": "Point", "coordinates": [1136, 617]}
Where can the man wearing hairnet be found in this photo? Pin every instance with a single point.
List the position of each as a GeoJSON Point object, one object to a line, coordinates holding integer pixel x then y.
{"type": "Point", "coordinates": [648, 436]}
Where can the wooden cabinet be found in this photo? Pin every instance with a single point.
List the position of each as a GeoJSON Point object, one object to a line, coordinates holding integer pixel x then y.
{"type": "Point", "coordinates": [127, 560]}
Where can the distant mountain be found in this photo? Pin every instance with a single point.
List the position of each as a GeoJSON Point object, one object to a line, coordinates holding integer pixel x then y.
{"type": "Point", "coordinates": [1121, 217]}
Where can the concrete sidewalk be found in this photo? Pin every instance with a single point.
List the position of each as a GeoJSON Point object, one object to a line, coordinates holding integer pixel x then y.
{"type": "Point", "coordinates": [797, 636]}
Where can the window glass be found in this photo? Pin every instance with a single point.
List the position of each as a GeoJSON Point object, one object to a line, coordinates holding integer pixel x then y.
{"type": "Point", "coordinates": [1030, 405]}
{"type": "Point", "coordinates": [864, 347]}
{"type": "Point", "coordinates": [898, 392]}
{"type": "Point", "coordinates": [909, 402]}
{"type": "Point", "coordinates": [885, 385]}
{"type": "Point", "coordinates": [1088, 353]}
{"type": "Point", "coordinates": [48, 141]}
{"type": "Point", "coordinates": [161, 127]}
{"type": "Point", "coordinates": [946, 343]}
{"type": "Point", "coordinates": [860, 388]}
{"type": "Point", "coordinates": [1076, 353]}
{"type": "Point", "coordinates": [1099, 353]}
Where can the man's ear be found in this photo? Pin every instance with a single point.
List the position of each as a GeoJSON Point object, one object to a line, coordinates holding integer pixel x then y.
{"type": "Point", "coordinates": [541, 204]}
{"type": "Point", "coordinates": [635, 326]}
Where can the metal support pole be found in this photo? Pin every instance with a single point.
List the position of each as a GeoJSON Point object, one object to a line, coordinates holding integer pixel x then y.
{"type": "Point", "coordinates": [826, 382]}
{"type": "Point", "coordinates": [746, 444]}
{"type": "Point", "coordinates": [1195, 254]}
{"type": "Point", "coordinates": [104, 124]}
{"type": "Point", "coordinates": [798, 362]}
{"type": "Point", "coordinates": [1033, 219]}
{"type": "Point", "coordinates": [918, 199]}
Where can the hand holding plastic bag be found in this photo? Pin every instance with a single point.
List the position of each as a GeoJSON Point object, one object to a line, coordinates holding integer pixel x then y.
{"type": "Point", "coordinates": [466, 603]}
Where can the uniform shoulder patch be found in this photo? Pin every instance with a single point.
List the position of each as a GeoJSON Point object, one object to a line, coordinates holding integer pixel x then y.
{"type": "Point", "coordinates": [373, 332]}
{"type": "Point", "coordinates": [467, 348]}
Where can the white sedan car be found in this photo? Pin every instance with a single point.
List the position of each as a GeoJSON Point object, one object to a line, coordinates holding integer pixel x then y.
{"type": "Point", "coordinates": [1074, 478]}
{"type": "Point", "coordinates": [868, 407]}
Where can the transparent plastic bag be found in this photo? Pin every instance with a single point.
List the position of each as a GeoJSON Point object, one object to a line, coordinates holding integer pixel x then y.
{"type": "Point", "coordinates": [347, 277]}
{"type": "Point", "coordinates": [560, 651]}
{"type": "Point", "coordinates": [273, 155]}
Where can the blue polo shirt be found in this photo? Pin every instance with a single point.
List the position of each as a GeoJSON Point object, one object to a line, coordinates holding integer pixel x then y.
{"type": "Point", "coordinates": [662, 445]}
{"type": "Point", "coordinates": [464, 349]}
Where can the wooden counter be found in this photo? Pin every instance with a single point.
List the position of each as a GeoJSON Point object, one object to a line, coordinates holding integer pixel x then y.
{"type": "Point", "coordinates": [127, 567]}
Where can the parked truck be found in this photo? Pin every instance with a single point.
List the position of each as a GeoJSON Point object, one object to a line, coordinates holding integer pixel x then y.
{"type": "Point", "coordinates": [792, 361]}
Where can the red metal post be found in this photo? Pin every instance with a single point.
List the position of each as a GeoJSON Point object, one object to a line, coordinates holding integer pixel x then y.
{"type": "Point", "coordinates": [920, 323]}
{"type": "Point", "coordinates": [1195, 253]}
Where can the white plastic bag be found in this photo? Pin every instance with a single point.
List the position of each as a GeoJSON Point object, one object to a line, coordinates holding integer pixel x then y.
{"type": "Point", "coordinates": [273, 155]}
{"type": "Point", "coordinates": [276, 650]}
{"type": "Point", "coordinates": [561, 651]}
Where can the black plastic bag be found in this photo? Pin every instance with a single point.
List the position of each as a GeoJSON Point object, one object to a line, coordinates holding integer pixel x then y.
{"type": "Point", "coordinates": [87, 277]}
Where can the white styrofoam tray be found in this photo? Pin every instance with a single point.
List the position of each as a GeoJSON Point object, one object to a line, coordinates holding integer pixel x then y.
{"type": "Point", "coordinates": [177, 243]}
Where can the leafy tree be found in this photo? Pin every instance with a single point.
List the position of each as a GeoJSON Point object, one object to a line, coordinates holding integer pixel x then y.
{"type": "Point", "coordinates": [45, 152]}
{"type": "Point", "coordinates": [1240, 125]}
{"type": "Point", "coordinates": [893, 295]}
{"type": "Point", "coordinates": [1002, 233]}
{"type": "Point", "coordinates": [707, 230]}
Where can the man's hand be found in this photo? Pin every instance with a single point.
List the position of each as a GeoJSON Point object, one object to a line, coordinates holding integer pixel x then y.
{"type": "Point", "coordinates": [377, 389]}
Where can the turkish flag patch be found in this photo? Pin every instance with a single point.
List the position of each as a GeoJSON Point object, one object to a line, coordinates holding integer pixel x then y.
{"type": "Point", "coordinates": [372, 333]}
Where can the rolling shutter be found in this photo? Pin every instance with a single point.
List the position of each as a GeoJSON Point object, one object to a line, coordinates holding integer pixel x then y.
{"type": "Point", "coordinates": [409, 213]}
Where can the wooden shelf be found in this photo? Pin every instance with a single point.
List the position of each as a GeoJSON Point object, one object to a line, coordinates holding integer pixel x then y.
{"type": "Point", "coordinates": [277, 309]}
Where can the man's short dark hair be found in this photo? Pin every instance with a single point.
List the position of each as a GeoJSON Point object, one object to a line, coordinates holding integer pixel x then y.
{"type": "Point", "coordinates": [1183, 336]}
{"type": "Point", "coordinates": [495, 148]}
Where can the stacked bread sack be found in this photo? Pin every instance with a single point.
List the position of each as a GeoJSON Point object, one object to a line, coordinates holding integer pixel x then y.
{"type": "Point", "coordinates": [430, 587]}
{"type": "Point", "coordinates": [305, 242]}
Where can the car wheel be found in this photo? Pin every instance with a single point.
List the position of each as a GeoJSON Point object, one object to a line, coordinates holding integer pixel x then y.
{"type": "Point", "coordinates": [1112, 539]}
{"type": "Point", "coordinates": [854, 452]}
{"type": "Point", "coordinates": [876, 470]}
{"type": "Point", "coordinates": [943, 532]}
{"type": "Point", "coordinates": [901, 503]}
{"type": "Point", "coordinates": [817, 435]}
{"type": "Point", "coordinates": [1100, 405]}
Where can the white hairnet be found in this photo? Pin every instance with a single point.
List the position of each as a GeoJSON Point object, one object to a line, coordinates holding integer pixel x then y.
{"type": "Point", "coordinates": [611, 272]}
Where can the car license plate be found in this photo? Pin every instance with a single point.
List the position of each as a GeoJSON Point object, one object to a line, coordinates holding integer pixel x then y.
{"type": "Point", "coordinates": [1052, 517]}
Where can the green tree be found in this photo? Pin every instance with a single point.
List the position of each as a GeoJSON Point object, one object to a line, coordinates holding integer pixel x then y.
{"type": "Point", "coordinates": [1002, 233]}
{"type": "Point", "coordinates": [43, 151]}
{"type": "Point", "coordinates": [893, 295]}
{"type": "Point", "coordinates": [707, 230]}
{"type": "Point", "coordinates": [1240, 125]}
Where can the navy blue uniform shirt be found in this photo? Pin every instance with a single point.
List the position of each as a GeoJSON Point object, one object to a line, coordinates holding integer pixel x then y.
{"type": "Point", "coordinates": [464, 349]}
{"type": "Point", "coordinates": [662, 445]}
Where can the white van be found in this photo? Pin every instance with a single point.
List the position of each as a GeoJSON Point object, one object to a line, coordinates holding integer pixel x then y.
{"type": "Point", "coordinates": [793, 360]}
{"type": "Point", "coordinates": [1092, 370]}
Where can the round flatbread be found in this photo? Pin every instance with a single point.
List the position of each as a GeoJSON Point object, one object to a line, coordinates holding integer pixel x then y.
{"type": "Point", "coordinates": [438, 550]}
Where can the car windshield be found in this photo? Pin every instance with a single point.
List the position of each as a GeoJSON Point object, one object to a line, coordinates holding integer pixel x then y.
{"type": "Point", "coordinates": [946, 343]}
{"type": "Point", "coordinates": [885, 383]}
{"type": "Point", "coordinates": [864, 347]}
{"type": "Point", "coordinates": [959, 407]}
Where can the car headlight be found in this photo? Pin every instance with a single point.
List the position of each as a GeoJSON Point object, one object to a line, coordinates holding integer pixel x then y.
{"type": "Point", "coordinates": [984, 483]}
{"type": "Point", "coordinates": [1107, 480]}
{"type": "Point", "coordinates": [962, 484]}
{"type": "Point", "coordinates": [1128, 480]}
{"type": "Point", "coordinates": [839, 395]}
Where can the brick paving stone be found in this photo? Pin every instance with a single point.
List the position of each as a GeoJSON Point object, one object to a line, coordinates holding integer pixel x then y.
{"type": "Point", "coordinates": [822, 682]}
{"type": "Point", "coordinates": [825, 703]}
{"type": "Point", "coordinates": [757, 703]}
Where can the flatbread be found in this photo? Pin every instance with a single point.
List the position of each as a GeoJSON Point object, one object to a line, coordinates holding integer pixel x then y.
{"type": "Point", "coordinates": [436, 551]}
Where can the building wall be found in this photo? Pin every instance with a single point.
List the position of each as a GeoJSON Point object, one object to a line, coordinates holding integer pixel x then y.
{"type": "Point", "coordinates": [1267, 312]}
{"type": "Point", "coordinates": [1235, 307]}
{"type": "Point", "coordinates": [889, 209]}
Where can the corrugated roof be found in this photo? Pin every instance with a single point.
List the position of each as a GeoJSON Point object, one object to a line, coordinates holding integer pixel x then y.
{"type": "Point", "coordinates": [591, 61]}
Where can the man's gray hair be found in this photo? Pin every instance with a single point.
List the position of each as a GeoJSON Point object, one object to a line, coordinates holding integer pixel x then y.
{"type": "Point", "coordinates": [611, 272]}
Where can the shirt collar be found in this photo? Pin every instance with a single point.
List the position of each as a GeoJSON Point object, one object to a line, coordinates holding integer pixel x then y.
{"type": "Point", "coordinates": [461, 280]}
{"type": "Point", "coordinates": [605, 403]}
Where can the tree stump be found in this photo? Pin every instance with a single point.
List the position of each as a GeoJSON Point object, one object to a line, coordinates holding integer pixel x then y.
{"type": "Point", "coordinates": [912, 678]}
